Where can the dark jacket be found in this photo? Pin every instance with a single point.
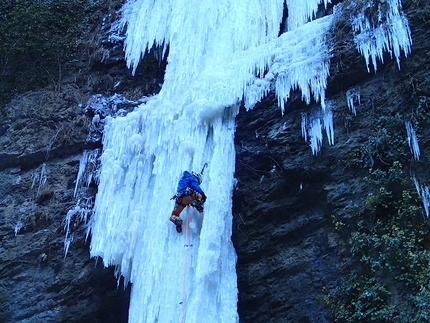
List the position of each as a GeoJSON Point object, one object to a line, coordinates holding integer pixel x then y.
{"type": "Point", "coordinates": [189, 180]}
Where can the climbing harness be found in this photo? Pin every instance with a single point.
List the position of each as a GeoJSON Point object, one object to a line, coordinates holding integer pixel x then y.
{"type": "Point", "coordinates": [187, 191]}
{"type": "Point", "coordinates": [193, 196]}
{"type": "Point", "coordinates": [186, 245]}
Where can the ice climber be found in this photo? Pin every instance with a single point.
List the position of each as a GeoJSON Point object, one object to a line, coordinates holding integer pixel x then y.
{"type": "Point", "coordinates": [188, 193]}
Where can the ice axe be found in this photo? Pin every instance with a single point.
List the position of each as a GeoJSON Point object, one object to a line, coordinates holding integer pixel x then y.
{"type": "Point", "coordinates": [204, 166]}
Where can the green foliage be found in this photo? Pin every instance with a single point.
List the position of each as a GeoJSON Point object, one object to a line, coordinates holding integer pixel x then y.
{"type": "Point", "coordinates": [386, 143]}
{"type": "Point", "coordinates": [367, 296]}
{"type": "Point", "coordinates": [421, 112]}
{"type": "Point", "coordinates": [388, 270]}
{"type": "Point", "coordinates": [38, 38]}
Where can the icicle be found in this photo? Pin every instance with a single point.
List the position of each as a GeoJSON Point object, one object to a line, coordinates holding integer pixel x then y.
{"type": "Point", "coordinates": [82, 164]}
{"type": "Point", "coordinates": [302, 62]}
{"type": "Point", "coordinates": [88, 156]}
{"type": "Point", "coordinates": [18, 227]}
{"type": "Point", "coordinates": [412, 140]}
{"type": "Point", "coordinates": [300, 12]}
{"type": "Point", "coordinates": [315, 133]}
{"type": "Point", "coordinates": [39, 179]}
{"type": "Point", "coordinates": [417, 186]}
{"type": "Point", "coordinates": [351, 96]}
{"type": "Point", "coordinates": [390, 33]}
{"type": "Point", "coordinates": [304, 125]}
{"type": "Point", "coordinates": [314, 125]}
{"type": "Point", "coordinates": [328, 125]}
{"type": "Point", "coordinates": [424, 193]}
{"type": "Point", "coordinates": [25, 211]}
{"type": "Point", "coordinates": [79, 215]}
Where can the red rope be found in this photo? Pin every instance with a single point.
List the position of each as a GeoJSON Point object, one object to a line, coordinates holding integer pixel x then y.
{"type": "Point", "coordinates": [185, 265]}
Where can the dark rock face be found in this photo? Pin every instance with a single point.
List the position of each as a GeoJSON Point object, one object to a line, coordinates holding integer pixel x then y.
{"type": "Point", "coordinates": [42, 137]}
{"type": "Point", "coordinates": [40, 153]}
{"type": "Point", "coordinates": [280, 222]}
{"type": "Point", "coordinates": [289, 252]}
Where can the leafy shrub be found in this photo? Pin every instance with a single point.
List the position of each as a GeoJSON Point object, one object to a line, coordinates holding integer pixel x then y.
{"type": "Point", "coordinates": [38, 38]}
{"type": "Point", "coordinates": [389, 259]}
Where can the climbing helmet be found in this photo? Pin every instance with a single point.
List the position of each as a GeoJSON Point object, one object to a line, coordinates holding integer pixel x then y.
{"type": "Point", "coordinates": [198, 176]}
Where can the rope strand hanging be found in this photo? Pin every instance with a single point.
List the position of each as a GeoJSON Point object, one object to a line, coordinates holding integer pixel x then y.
{"type": "Point", "coordinates": [186, 245]}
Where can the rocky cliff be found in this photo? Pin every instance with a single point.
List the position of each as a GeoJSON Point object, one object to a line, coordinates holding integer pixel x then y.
{"type": "Point", "coordinates": [309, 230]}
{"type": "Point", "coordinates": [295, 213]}
{"type": "Point", "coordinates": [43, 135]}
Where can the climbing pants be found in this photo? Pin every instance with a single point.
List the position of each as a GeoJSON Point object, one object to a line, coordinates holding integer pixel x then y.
{"type": "Point", "coordinates": [182, 201]}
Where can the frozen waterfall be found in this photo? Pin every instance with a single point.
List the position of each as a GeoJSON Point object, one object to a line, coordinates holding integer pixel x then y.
{"type": "Point", "coordinates": [220, 52]}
